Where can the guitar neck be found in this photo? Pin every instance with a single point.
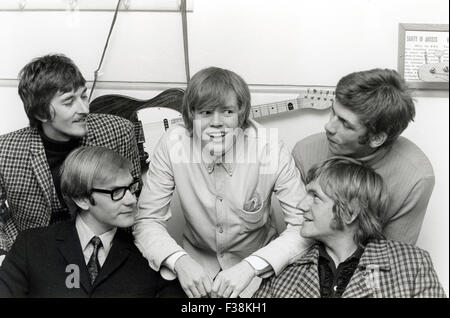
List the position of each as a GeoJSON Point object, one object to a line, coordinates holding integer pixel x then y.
{"type": "Point", "coordinates": [314, 99]}
{"type": "Point", "coordinates": [266, 110]}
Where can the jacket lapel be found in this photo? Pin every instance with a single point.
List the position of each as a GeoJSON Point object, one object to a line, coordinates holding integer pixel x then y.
{"type": "Point", "coordinates": [366, 279]}
{"type": "Point", "coordinates": [308, 280]}
{"type": "Point", "coordinates": [69, 246]}
{"type": "Point", "coordinates": [119, 252]}
{"type": "Point", "coordinates": [41, 169]}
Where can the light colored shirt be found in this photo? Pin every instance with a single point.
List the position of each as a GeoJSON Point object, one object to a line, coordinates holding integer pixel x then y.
{"type": "Point", "coordinates": [406, 171]}
{"type": "Point", "coordinates": [85, 235]}
{"type": "Point", "coordinates": [227, 204]}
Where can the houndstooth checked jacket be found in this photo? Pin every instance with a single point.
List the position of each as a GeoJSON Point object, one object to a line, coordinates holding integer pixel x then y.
{"type": "Point", "coordinates": [27, 193]}
{"type": "Point", "coordinates": [387, 269]}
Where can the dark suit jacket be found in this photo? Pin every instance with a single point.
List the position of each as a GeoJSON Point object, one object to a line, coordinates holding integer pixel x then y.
{"type": "Point", "coordinates": [37, 263]}
{"type": "Point", "coordinates": [26, 181]}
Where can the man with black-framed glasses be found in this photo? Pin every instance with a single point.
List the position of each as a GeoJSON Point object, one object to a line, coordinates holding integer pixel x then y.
{"type": "Point", "coordinates": [89, 256]}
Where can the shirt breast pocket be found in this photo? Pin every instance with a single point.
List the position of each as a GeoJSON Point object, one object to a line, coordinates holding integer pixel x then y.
{"type": "Point", "coordinates": [253, 215]}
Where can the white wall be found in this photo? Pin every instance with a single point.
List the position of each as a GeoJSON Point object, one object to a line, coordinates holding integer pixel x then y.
{"type": "Point", "coordinates": [286, 43]}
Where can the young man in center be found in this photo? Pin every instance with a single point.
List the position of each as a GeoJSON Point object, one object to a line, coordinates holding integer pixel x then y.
{"type": "Point", "coordinates": [225, 168]}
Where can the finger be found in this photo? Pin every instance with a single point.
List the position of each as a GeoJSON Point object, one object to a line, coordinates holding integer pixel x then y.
{"type": "Point", "coordinates": [235, 293]}
{"type": "Point", "coordinates": [188, 293]}
{"type": "Point", "coordinates": [215, 287]}
{"type": "Point", "coordinates": [228, 291]}
{"type": "Point", "coordinates": [223, 286]}
{"type": "Point", "coordinates": [207, 284]}
{"type": "Point", "coordinates": [195, 292]}
{"type": "Point", "coordinates": [200, 288]}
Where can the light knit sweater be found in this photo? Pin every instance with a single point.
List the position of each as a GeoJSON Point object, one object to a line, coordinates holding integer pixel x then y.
{"type": "Point", "coordinates": [406, 171]}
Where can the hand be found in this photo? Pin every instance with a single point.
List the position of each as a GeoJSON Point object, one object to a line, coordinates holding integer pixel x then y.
{"type": "Point", "coordinates": [231, 282]}
{"type": "Point", "coordinates": [2, 257]}
{"type": "Point", "coordinates": [193, 278]}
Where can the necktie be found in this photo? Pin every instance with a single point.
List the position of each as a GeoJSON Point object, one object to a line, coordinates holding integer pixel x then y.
{"type": "Point", "coordinates": [93, 265]}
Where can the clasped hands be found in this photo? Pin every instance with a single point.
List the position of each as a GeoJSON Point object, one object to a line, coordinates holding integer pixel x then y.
{"type": "Point", "coordinates": [228, 283]}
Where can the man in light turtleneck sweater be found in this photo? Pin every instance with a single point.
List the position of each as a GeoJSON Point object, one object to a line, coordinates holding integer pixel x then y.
{"type": "Point", "coordinates": [54, 95]}
{"type": "Point", "coordinates": [371, 110]}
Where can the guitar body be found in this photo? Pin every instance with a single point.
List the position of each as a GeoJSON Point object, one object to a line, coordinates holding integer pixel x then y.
{"type": "Point", "coordinates": [128, 108]}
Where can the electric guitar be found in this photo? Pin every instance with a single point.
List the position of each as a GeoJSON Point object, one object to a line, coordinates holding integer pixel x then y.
{"type": "Point", "coordinates": [154, 116]}
{"type": "Point", "coordinates": [155, 121]}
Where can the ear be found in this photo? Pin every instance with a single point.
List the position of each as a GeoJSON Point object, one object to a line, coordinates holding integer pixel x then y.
{"type": "Point", "coordinates": [42, 120]}
{"type": "Point", "coordinates": [83, 203]}
{"type": "Point", "coordinates": [52, 115]}
{"type": "Point", "coordinates": [377, 140]}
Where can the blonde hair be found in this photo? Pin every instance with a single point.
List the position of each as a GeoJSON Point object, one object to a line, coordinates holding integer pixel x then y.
{"type": "Point", "coordinates": [85, 165]}
{"type": "Point", "coordinates": [357, 190]}
{"type": "Point", "coordinates": [210, 88]}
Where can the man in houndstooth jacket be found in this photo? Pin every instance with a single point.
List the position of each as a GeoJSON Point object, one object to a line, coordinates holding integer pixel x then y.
{"type": "Point", "coordinates": [343, 212]}
{"type": "Point", "coordinates": [54, 95]}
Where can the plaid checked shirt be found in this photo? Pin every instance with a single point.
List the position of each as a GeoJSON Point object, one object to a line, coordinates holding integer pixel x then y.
{"type": "Point", "coordinates": [27, 193]}
{"type": "Point", "coordinates": [387, 269]}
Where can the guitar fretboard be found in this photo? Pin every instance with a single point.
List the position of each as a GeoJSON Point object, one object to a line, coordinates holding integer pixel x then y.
{"type": "Point", "coordinates": [311, 98]}
{"type": "Point", "coordinates": [318, 99]}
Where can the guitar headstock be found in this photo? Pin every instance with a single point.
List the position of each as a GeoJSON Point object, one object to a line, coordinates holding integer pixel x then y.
{"type": "Point", "coordinates": [316, 98]}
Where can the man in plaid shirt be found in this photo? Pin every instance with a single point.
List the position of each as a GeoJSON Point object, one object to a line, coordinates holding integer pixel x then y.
{"type": "Point", "coordinates": [343, 212]}
{"type": "Point", "coordinates": [54, 96]}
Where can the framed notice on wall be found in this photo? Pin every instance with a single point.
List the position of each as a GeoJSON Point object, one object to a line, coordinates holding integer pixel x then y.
{"type": "Point", "coordinates": [423, 55]}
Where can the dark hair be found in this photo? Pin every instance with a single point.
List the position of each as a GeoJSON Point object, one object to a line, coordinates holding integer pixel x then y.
{"type": "Point", "coordinates": [381, 99]}
{"type": "Point", "coordinates": [356, 189]}
{"type": "Point", "coordinates": [41, 79]}
{"type": "Point", "coordinates": [210, 88]}
{"type": "Point", "coordinates": [85, 165]}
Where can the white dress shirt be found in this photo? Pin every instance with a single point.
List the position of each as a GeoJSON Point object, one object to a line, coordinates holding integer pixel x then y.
{"type": "Point", "coordinates": [86, 234]}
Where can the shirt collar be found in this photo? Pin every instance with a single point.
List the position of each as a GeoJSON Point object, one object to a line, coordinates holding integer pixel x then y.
{"type": "Point", "coordinates": [356, 254]}
{"type": "Point", "coordinates": [227, 166]}
{"type": "Point", "coordinates": [86, 234]}
{"type": "Point", "coordinates": [228, 162]}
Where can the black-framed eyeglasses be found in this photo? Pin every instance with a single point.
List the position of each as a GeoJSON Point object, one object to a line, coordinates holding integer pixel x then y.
{"type": "Point", "coordinates": [118, 193]}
